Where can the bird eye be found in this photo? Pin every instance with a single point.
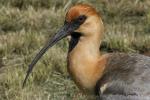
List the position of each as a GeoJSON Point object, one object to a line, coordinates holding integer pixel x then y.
{"type": "Point", "coordinates": [81, 19]}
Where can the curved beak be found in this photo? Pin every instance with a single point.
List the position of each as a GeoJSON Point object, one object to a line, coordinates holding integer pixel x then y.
{"type": "Point", "coordinates": [62, 33]}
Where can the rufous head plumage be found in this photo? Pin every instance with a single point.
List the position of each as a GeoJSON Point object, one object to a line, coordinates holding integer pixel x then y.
{"type": "Point", "coordinates": [92, 24]}
{"type": "Point", "coordinates": [78, 10]}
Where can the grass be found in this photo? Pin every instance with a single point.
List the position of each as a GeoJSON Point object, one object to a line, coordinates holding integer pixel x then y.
{"type": "Point", "coordinates": [25, 25]}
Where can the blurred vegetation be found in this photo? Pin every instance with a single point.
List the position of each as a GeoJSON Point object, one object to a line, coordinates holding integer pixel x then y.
{"type": "Point", "coordinates": [25, 25]}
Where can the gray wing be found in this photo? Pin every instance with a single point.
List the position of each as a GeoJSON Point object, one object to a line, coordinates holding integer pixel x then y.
{"type": "Point", "coordinates": [127, 77]}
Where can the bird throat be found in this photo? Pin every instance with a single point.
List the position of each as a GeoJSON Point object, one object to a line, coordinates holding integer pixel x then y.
{"type": "Point", "coordinates": [83, 61]}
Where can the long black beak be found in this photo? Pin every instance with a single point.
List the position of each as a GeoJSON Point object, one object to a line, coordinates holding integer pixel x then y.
{"type": "Point", "coordinates": [63, 32]}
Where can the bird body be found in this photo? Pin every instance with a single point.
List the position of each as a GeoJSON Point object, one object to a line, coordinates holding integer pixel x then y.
{"type": "Point", "coordinates": [126, 75]}
{"type": "Point", "coordinates": [111, 76]}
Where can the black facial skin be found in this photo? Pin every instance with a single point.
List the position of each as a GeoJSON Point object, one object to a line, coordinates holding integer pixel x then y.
{"type": "Point", "coordinates": [66, 30]}
{"type": "Point", "coordinates": [75, 36]}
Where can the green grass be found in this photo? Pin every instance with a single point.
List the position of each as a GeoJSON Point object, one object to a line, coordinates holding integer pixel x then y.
{"type": "Point", "coordinates": [25, 25]}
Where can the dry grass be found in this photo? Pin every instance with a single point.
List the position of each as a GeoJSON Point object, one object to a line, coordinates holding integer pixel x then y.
{"type": "Point", "coordinates": [25, 25]}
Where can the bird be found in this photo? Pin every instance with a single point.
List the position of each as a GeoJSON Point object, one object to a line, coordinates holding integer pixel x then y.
{"type": "Point", "coordinates": [110, 76]}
